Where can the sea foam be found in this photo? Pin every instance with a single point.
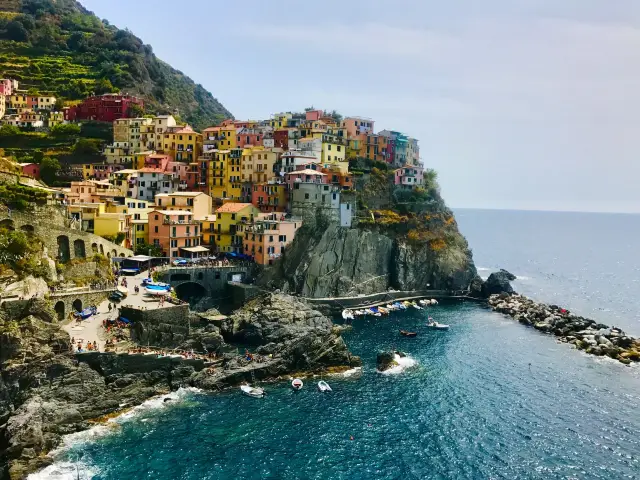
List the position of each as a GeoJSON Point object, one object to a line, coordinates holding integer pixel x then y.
{"type": "Point", "coordinates": [403, 364]}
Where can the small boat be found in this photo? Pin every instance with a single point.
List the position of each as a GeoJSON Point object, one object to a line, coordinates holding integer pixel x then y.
{"type": "Point", "coordinates": [416, 306]}
{"type": "Point", "coordinates": [296, 384]}
{"type": "Point", "coordinates": [404, 333]}
{"type": "Point", "coordinates": [324, 386]}
{"type": "Point", "coordinates": [424, 302]}
{"type": "Point", "coordinates": [399, 306]}
{"type": "Point", "coordinates": [437, 326]}
{"type": "Point", "coordinates": [347, 315]}
{"type": "Point", "coordinates": [157, 285]}
{"type": "Point", "coordinates": [255, 392]}
{"type": "Point", "coordinates": [374, 311]}
{"type": "Point", "coordinates": [383, 310]}
{"type": "Point", "coordinates": [391, 308]}
{"type": "Point", "coordinates": [87, 312]}
{"type": "Point", "coordinates": [434, 301]}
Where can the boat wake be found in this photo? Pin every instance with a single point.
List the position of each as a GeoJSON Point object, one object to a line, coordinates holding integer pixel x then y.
{"type": "Point", "coordinates": [402, 364]}
{"type": "Point", "coordinates": [63, 469]}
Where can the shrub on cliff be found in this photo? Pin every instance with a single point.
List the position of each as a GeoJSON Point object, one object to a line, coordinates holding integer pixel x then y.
{"type": "Point", "coordinates": [21, 253]}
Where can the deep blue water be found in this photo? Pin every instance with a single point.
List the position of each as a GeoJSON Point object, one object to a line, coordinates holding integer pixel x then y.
{"type": "Point", "coordinates": [487, 399]}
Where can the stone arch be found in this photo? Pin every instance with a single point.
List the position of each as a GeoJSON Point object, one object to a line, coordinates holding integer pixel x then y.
{"type": "Point", "coordinates": [109, 255]}
{"type": "Point", "coordinates": [78, 249]}
{"type": "Point", "coordinates": [101, 250]}
{"type": "Point", "coordinates": [190, 291]}
{"type": "Point", "coordinates": [114, 253]}
{"type": "Point", "coordinates": [180, 277]}
{"type": "Point", "coordinates": [122, 255]}
{"type": "Point", "coordinates": [94, 248]}
{"type": "Point", "coordinates": [200, 275]}
{"type": "Point", "coordinates": [64, 253]}
{"type": "Point", "coordinates": [29, 229]}
{"type": "Point", "coordinates": [59, 308]}
{"type": "Point", "coordinates": [7, 224]}
{"type": "Point", "coordinates": [77, 305]}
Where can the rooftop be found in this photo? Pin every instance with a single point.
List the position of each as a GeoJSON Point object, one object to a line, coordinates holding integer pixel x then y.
{"type": "Point", "coordinates": [232, 207]}
{"type": "Point", "coordinates": [180, 194]}
{"type": "Point", "coordinates": [173, 212]}
{"type": "Point", "coordinates": [308, 171]}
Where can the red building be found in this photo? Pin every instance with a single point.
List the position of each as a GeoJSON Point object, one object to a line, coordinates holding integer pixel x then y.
{"type": "Point", "coordinates": [281, 138]}
{"type": "Point", "coordinates": [103, 108]}
{"type": "Point", "coordinates": [31, 170]}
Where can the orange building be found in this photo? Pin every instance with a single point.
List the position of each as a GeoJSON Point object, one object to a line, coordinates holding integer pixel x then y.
{"type": "Point", "coordinates": [176, 232]}
{"type": "Point", "coordinates": [269, 196]}
{"type": "Point", "coordinates": [268, 236]}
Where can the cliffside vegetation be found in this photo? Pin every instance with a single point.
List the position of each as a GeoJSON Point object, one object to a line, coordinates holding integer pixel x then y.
{"type": "Point", "coordinates": [59, 47]}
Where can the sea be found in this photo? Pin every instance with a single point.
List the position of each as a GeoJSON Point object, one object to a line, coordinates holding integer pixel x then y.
{"type": "Point", "coordinates": [488, 399]}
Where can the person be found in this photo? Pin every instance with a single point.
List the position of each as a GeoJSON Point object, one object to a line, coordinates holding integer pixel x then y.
{"type": "Point", "coordinates": [73, 339]}
{"type": "Point", "coordinates": [109, 307]}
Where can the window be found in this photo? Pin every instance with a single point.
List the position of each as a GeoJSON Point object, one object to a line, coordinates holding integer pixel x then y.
{"type": "Point", "coordinates": [156, 242]}
{"type": "Point", "coordinates": [156, 219]}
{"type": "Point", "coordinates": [339, 147]}
{"type": "Point", "coordinates": [233, 216]}
{"type": "Point", "coordinates": [306, 196]}
{"type": "Point", "coordinates": [139, 241]}
{"type": "Point", "coordinates": [174, 243]}
{"type": "Point", "coordinates": [217, 276]}
{"type": "Point", "coordinates": [174, 254]}
{"type": "Point", "coordinates": [173, 231]}
{"type": "Point", "coordinates": [282, 238]}
{"type": "Point", "coordinates": [271, 238]}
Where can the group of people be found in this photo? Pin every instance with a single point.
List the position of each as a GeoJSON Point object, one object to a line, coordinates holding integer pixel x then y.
{"type": "Point", "coordinates": [90, 347]}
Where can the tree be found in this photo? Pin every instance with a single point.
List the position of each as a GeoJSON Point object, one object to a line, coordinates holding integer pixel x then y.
{"type": "Point", "coordinates": [9, 131]}
{"type": "Point", "coordinates": [135, 111]}
{"type": "Point", "coordinates": [33, 92]}
{"type": "Point", "coordinates": [104, 85]}
{"type": "Point", "coordinates": [49, 169]}
{"type": "Point", "coordinates": [60, 104]}
{"type": "Point", "coordinates": [65, 129]}
{"type": "Point", "coordinates": [85, 146]}
{"type": "Point", "coordinates": [148, 249]}
{"type": "Point", "coordinates": [17, 32]}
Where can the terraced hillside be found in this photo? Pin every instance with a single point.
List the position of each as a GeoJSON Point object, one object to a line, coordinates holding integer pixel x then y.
{"type": "Point", "coordinates": [57, 46]}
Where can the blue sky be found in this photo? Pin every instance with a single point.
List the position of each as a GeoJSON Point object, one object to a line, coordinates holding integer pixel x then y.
{"type": "Point", "coordinates": [521, 104]}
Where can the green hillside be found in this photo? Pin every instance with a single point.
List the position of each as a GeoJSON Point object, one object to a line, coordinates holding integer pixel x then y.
{"type": "Point", "coordinates": [57, 46]}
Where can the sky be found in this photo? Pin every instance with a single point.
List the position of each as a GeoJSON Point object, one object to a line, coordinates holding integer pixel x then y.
{"type": "Point", "coordinates": [518, 104]}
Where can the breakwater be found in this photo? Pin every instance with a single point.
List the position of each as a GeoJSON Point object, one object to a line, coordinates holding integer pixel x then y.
{"type": "Point", "coordinates": [585, 334]}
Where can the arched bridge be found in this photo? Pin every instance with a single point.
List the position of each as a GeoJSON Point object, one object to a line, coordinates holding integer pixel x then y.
{"type": "Point", "coordinates": [202, 281]}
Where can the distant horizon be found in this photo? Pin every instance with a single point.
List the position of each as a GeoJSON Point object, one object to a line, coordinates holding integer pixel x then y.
{"type": "Point", "coordinates": [534, 210]}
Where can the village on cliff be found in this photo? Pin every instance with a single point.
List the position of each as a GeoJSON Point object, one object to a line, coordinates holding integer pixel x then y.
{"type": "Point", "coordinates": [240, 188]}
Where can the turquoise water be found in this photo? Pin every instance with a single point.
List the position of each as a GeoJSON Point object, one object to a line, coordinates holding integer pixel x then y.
{"type": "Point", "coordinates": [487, 399]}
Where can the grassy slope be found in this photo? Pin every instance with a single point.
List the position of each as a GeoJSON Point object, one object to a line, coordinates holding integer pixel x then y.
{"type": "Point", "coordinates": [68, 51]}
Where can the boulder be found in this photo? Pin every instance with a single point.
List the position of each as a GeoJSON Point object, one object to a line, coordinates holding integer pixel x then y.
{"type": "Point", "coordinates": [385, 361]}
{"type": "Point", "coordinates": [498, 282]}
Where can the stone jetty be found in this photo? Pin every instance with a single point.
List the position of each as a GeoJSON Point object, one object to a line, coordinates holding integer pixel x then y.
{"type": "Point", "coordinates": [586, 334]}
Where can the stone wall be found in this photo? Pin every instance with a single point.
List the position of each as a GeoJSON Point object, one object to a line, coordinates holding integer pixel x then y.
{"type": "Point", "coordinates": [51, 224]}
{"type": "Point", "coordinates": [241, 293]}
{"type": "Point", "coordinates": [66, 303]}
{"type": "Point", "coordinates": [161, 327]}
{"type": "Point", "coordinates": [172, 314]}
{"type": "Point", "coordinates": [80, 270]}
{"type": "Point", "coordinates": [213, 279]}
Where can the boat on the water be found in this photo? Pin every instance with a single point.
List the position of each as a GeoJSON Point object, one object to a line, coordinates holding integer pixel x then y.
{"type": "Point", "coordinates": [324, 386]}
{"type": "Point", "coordinates": [255, 392]}
{"type": "Point", "coordinates": [390, 307]}
{"type": "Point", "coordinates": [87, 312]}
{"type": "Point", "coordinates": [296, 384]}
{"type": "Point", "coordinates": [416, 306]}
{"type": "Point", "coordinates": [404, 333]}
{"type": "Point", "coordinates": [424, 302]}
{"type": "Point", "coordinates": [383, 310]}
{"type": "Point", "coordinates": [347, 315]}
{"type": "Point", "coordinates": [374, 311]}
{"type": "Point", "coordinates": [437, 326]}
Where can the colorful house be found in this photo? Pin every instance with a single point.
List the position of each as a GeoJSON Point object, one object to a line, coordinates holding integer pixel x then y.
{"type": "Point", "coordinates": [410, 176]}
{"type": "Point", "coordinates": [183, 144]}
{"type": "Point", "coordinates": [304, 176]}
{"type": "Point", "coordinates": [269, 196]}
{"type": "Point", "coordinates": [209, 231]}
{"type": "Point", "coordinates": [103, 108]}
{"type": "Point", "coordinates": [267, 237]}
{"type": "Point", "coordinates": [198, 203]}
{"type": "Point", "coordinates": [99, 171]}
{"type": "Point", "coordinates": [30, 170]}
{"type": "Point", "coordinates": [229, 225]}
{"type": "Point", "coordinates": [173, 231]}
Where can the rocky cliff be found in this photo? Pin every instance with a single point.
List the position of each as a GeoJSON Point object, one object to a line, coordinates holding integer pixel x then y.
{"type": "Point", "coordinates": [402, 239]}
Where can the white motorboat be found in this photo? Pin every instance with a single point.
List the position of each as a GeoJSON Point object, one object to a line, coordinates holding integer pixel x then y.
{"type": "Point", "coordinates": [347, 315]}
{"type": "Point", "coordinates": [297, 384]}
{"type": "Point", "coordinates": [324, 386]}
{"type": "Point", "coordinates": [434, 301]}
{"type": "Point", "coordinates": [416, 306]}
{"type": "Point", "coordinates": [424, 302]}
{"type": "Point", "coordinates": [437, 326]}
{"type": "Point", "coordinates": [249, 391]}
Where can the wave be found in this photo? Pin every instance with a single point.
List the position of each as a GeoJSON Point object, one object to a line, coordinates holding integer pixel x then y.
{"type": "Point", "coordinates": [63, 469]}
{"type": "Point", "coordinates": [403, 364]}
{"type": "Point", "coordinates": [483, 269]}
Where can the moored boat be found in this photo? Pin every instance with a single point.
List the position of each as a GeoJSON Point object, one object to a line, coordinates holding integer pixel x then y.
{"type": "Point", "coordinates": [347, 315]}
{"type": "Point", "coordinates": [383, 310]}
{"type": "Point", "coordinates": [437, 326]}
{"type": "Point", "coordinates": [87, 312]}
{"type": "Point", "coordinates": [255, 392]}
{"type": "Point", "coordinates": [404, 333]}
{"type": "Point", "coordinates": [324, 386]}
{"type": "Point", "coordinates": [297, 384]}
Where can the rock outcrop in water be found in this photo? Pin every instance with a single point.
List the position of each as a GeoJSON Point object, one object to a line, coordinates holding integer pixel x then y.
{"type": "Point", "coordinates": [586, 334]}
{"type": "Point", "coordinates": [498, 282]}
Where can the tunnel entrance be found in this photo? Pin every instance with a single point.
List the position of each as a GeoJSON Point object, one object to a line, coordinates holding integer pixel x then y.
{"type": "Point", "coordinates": [190, 292]}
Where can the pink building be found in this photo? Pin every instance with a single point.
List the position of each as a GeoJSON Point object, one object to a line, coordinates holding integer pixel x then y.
{"type": "Point", "coordinates": [7, 86]}
{"type": "Point", "coordinates": [313, 115]}
{"type": "Point", "coordinates": [357, 126]}
{"type": "Point", "coordinates": [31, 170]}
{"type": "Point", "coordinates": [268, 236]}
{"type": "Point", "coordinates": [305, 176]}
{"type": "Point", "coordinates": [246, 137]}
{"type": "Point", "coordinates": [409, 176]}
{"type": "Point", "coordinates": [176, 232]}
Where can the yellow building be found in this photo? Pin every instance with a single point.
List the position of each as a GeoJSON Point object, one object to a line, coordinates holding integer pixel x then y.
{"type": "Point", "coordinates": [46, 102]}
{"type": "Point", "coordinates": [18, 102]}
{"type": "Point", "coordinates": [198, 203]}
{"type": "Point", "coordinates": [118, 153]}
{"type": "Point", "coordinates": [208, 231]}
{"type": "Point", "coordinates": [183, 144]}
{"type": "Point", "coordinates": [138, 213]}
{"type": "Point", "coordinates": [280, 120]}
{"type": "Point", "coordinates": [224, 175]}
{"type": "Point", "coordinates": [258, 163]}
{"type": "Point", "coordinates": [110, 225]}
{"type": "Point", "coordinates": [123, 180]}
{"type": "Point", "coordinates": [229, 224]}
{"type": "Point", "coordinates": [55, 118]}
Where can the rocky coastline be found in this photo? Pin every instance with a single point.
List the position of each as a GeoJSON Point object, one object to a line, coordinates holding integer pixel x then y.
{"type": "Point", "coordinates": [47, 392]}
{"type": "Point", "coordinates": [583, 333]}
